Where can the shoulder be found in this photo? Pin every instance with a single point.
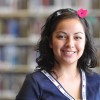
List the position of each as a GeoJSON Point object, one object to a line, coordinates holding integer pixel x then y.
{"type": "Point", "coordinates": [93, 77]}
{"type": "Point", "coordinates": [92, 74]}
{"type": "Point", "coordinates": [36, 75]}
{"type": "Point", "coordinates": [34, 78]}
{"type": "Point", "coordinates": [93, 86]}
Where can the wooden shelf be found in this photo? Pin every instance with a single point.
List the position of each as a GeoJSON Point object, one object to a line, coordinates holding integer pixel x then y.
{"type": "Point", "coordinates": [28, 13]}
{"type": "Point", "coordinates": [19, 41]}
{"type": "Point", "coordinates": [18, 69]}
{"type": "Point", "coordinates": [17, 13]}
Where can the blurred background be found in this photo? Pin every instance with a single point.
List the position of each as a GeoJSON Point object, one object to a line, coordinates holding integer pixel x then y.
{"type": "Point", "coordinates": [20, 26]}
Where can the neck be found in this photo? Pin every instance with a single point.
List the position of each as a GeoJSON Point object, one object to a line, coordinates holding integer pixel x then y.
{"type": "Point", "coordinates": [67, 71]}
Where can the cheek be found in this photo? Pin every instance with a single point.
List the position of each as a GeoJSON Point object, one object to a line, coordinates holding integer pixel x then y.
{"type": "Point", "coordinates": [56, 47]}
{"type": "Point", "coordinates": [81, 46]}
{"type": "Point", "coordinates": [56, 43]}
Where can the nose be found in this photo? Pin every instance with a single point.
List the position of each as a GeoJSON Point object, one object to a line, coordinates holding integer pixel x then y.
{"type": "Point", "coordinates": [69, 43]}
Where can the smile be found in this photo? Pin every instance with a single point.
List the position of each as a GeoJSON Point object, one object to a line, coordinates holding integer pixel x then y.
{"type": "Point", "coordinates": [69, 52]}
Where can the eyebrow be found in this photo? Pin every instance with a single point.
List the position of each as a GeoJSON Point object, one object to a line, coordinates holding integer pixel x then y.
{"type": "Point", "coordinates": [61, 32]}
{"type": "Point", "coordinates": [66, 33]}
{"type": "Point", "coordinates": [78, 33]}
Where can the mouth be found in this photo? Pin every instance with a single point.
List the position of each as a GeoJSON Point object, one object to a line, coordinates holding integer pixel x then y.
{"type": "Point", "coordinates": [69, 52]}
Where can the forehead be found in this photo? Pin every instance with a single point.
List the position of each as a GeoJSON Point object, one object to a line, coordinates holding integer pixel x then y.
{"type": "Point", "coordinates": [70, 25]}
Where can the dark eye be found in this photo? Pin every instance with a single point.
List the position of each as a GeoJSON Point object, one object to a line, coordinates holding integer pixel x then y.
{"type": "Point", "coordinates": [61, 37]}
{"type": "Point", "coordinates": [78, 37]}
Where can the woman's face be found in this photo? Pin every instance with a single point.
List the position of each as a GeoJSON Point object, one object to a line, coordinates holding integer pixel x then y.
{"type": "Point", "coordinates": [68, 41]}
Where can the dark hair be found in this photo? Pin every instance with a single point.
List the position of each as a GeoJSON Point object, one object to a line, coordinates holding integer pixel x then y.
{"type": "Point", "coordinates": [46, 58]}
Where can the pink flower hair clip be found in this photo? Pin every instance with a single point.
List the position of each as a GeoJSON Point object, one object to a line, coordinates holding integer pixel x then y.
{"type": "Point", "coordinates": [82, 13]}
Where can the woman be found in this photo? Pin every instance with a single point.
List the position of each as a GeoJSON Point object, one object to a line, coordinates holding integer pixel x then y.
{"type": "Point", "coordinates": [66, 53]}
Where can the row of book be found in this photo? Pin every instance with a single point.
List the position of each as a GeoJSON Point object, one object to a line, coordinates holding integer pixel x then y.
{"type": "Point", "coordinates": [95, 4]}
{"type": "Point", "coordinates": [11, 82]}
{"type": "Point", "coordinates": [30, 4]}
{"type": "Point", "coordinates": [11, 55]}
{"type": "Point", "coordinates": [94, 24]}
{"type": "Point", "coordinates": [60, 3]}
{"type": "Point", "coordinates": [20, 27]}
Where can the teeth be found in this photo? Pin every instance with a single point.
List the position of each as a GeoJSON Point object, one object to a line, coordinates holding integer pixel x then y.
{"type": "Point", "coordinates": [69, 52]}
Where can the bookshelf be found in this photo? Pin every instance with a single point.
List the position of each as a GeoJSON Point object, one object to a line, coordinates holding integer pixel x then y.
{"type": "Point", "coordinates": [20, 24]}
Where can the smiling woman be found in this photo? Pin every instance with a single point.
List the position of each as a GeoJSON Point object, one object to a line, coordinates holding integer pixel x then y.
{"type": "Point", "coordinates": [66, 54]}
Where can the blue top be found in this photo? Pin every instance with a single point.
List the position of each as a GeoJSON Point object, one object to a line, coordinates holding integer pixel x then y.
{"type": "Point", "coordinates": [38, 87]}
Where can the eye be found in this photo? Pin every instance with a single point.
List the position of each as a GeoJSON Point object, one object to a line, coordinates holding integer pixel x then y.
{"type": "Point", "coordinates": [78, 37]}
{"type": "Point", "coordinates": [61, 37]}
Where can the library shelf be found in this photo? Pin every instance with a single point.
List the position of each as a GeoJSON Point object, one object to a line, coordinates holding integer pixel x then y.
{"type": "Point", "coordinates": [19, 41]}
{"type": "Point", "coordinates": [20, 11]}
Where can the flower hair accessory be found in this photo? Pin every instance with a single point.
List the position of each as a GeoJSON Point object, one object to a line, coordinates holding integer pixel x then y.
{"type": "Point", "coordinates": [82, 13]}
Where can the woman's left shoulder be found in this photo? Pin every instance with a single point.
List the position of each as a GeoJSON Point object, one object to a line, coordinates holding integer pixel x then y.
{"type": "Point", "coordinates": [93, 76]}
{"type": "Point", "coordinates": [93, 85]}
